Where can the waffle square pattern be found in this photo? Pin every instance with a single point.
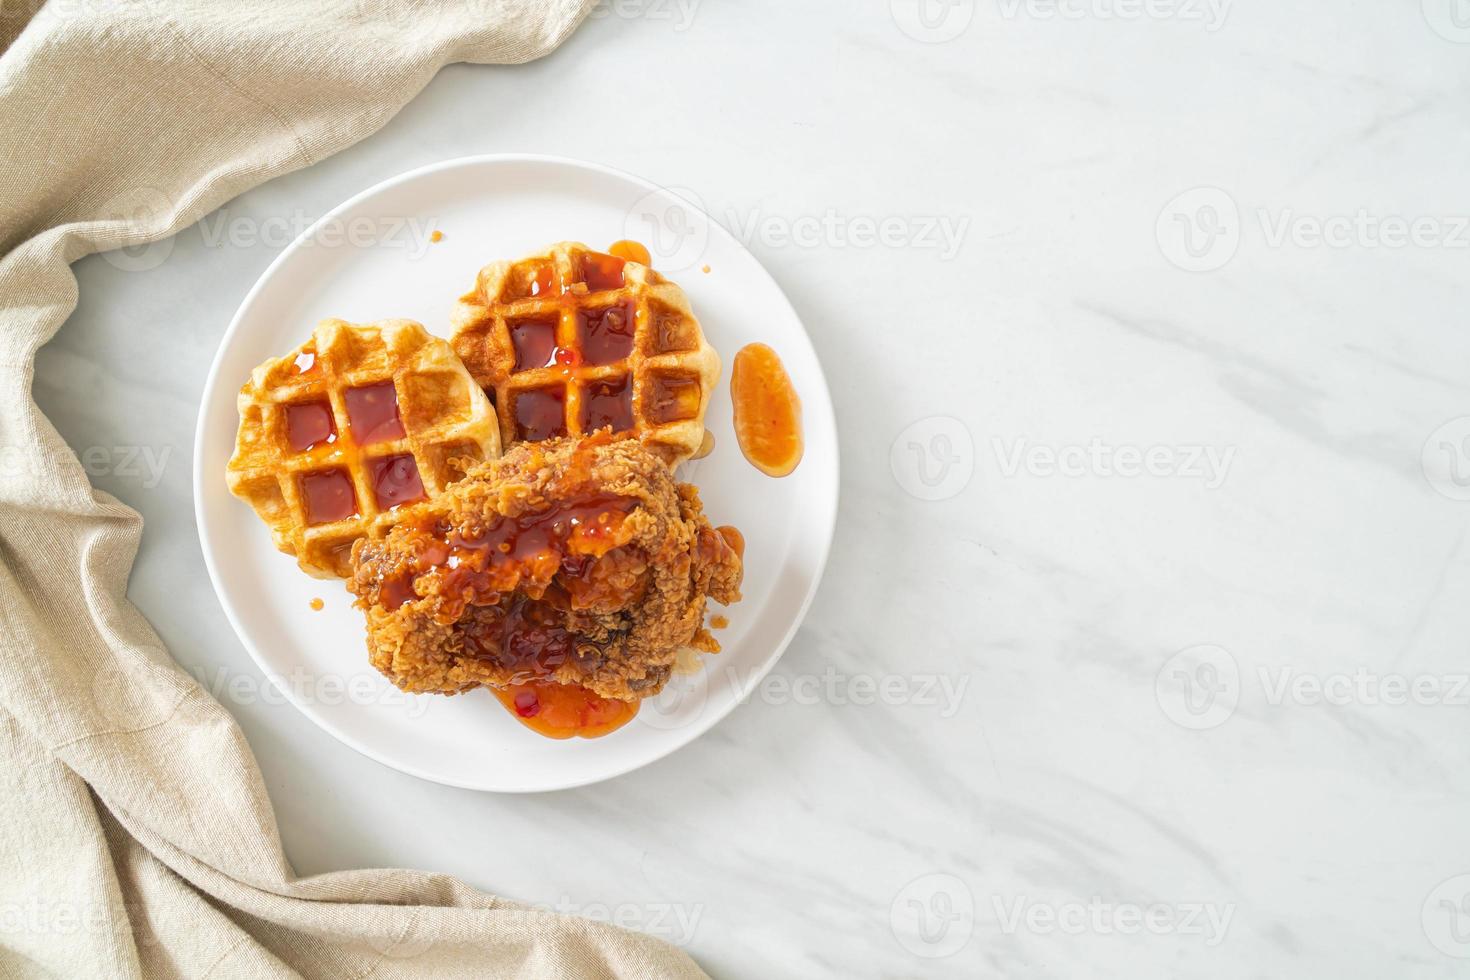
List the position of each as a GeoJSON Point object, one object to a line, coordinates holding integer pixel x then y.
{"type": "Point", "coordinates": [342, 435]}
{"type": "Point", "coordinates": [571, 341]}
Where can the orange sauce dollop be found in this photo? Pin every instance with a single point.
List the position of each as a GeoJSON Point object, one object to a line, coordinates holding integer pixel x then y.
{"type": "Point", "coordinates": [564, 710]}
{"type": "Point", "coordinates": [767, 411]}
{"type": "Point", "coordinates": [631, 252]}
{"type": "Point", "coordinates": [733, 538]}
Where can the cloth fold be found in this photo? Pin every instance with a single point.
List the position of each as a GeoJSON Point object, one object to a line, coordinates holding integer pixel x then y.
{"type": "Point", "coordinates": [136, 836]}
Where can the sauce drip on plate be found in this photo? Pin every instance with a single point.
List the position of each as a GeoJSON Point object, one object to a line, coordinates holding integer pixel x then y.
{"type": "Point", "coordinates": [767, 411]}
{"type": "Point", "coordinates": [630, 251]}
{"type": "Point", "coordinates": [563, 710]}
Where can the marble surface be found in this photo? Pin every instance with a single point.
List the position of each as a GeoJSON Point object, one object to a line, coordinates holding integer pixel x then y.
{"type": "Point", "coordinates": [1142, 650]}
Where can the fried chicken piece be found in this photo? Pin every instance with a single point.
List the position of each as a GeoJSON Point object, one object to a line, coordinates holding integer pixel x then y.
{"type": "Point", "coordinates": [579, 561]}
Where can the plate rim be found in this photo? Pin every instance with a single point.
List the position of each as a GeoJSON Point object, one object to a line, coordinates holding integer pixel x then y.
{"type": "Point", "coordinates": [212, 380]}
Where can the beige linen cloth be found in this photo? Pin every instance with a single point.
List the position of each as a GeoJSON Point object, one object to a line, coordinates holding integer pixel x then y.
{"type": "Point", "coordinates": [136, 839]}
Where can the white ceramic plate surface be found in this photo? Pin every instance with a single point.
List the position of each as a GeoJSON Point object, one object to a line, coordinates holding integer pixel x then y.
{"type": "Point", "coordinates": [372, 259]}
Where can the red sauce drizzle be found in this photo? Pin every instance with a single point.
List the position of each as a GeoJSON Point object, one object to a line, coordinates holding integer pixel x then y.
{"type": "Point", "coordinates": [602, 272]}
{"type": "Point", "coordinates": [534, 343]}
{"type": "Point", "coordinates": [372, 411]}
{"type": "Point", "coordinates": [479, 568]}
{"type": "Point", "coordinates": [531, 280]}
{"type": "Point", "coordinates": [328, 496]}
{"type": "Point", "coordinates": [396, 481]}
{"type": "Point", "coordinates": [673, 399]}
{"type": "Point", "coordinates": [608, 403]}
{"type": "Point", "coordinates": [606, 335]}
{"type": "Point", "coordinates": [541, 414]}
{"type": "Point", "coordinates": [308, 425]}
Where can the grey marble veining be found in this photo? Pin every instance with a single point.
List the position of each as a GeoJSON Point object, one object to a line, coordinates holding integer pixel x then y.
{"type": "Point", "coordinates": [1151, 538]}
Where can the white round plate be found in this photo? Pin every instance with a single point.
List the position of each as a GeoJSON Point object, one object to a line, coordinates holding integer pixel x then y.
{"type": "Point", "coordinates": [373, 258]}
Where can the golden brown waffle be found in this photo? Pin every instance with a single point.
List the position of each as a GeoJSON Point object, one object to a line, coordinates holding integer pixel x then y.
{"type": "Point", "coordinates": [360, 421]}
{"type": "Point", "coordinates": [572, 340]}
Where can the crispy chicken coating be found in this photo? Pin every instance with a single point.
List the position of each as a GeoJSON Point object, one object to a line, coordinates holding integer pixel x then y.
{"type": "Point", "coordinates": [579, 561]}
